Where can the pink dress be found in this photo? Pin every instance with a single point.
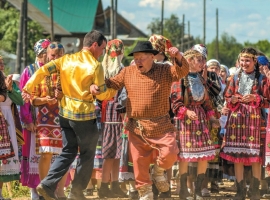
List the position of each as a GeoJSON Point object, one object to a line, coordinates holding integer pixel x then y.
{"type": "Point", "coordinates": [29, 174]}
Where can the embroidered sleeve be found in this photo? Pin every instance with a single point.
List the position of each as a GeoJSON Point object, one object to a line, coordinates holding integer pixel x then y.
{"type": "Point", "coordinates": [177, 100]}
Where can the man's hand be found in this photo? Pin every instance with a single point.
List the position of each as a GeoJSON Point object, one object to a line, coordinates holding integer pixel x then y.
{"type": "Point", "coordinates": [8, 82]}
{"type": "Point", "coordinates": [175, 53]}
{"type": "Point", "coordinates": [94, 89]}
{"type": "Point", "coordinates": [31, 127]}
{"type": "Point", "coordinates": [26, 97]}
{"type": "Point", "coordinates": [191, 115]}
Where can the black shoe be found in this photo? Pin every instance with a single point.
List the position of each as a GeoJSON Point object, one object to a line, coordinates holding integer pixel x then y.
{"type": "Point", "coordinates": [76, 196]}
{"type": "Point", "coordinates": [133, 195]}
{"type": "Point", "coordinates": [46, 192]}
{"type": "Point", "coordinates": [88, 192]}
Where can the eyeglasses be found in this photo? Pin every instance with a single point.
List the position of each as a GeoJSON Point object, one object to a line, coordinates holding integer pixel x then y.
{"type": "Point", "coordinates": [53, 46]}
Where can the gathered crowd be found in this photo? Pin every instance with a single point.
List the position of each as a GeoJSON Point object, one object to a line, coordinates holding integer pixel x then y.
{"type": "Point", "coordinates": [170, 119]}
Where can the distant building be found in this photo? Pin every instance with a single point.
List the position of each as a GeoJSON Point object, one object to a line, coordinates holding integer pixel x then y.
{"type": "Point", "coordinates": [73, 19]}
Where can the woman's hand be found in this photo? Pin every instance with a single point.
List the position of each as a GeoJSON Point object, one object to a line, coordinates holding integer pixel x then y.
{"type": "Point", "coordinates": [191, 115]}
{"type": "Point", "coordinates": [214, 122]}
{"type": "Point", "coordinates": [8, 82]}
{"type": "Point", "coordinates": [51, 101]}
{"type": "Point", "coordinates": [234, 99]}
{"type": "Point", "coordinates": [248, 98]}
{"type": "Point", "coordinates": [225, 111]}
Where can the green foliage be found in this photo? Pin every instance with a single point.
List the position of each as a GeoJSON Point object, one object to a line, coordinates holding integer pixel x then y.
{"type": "Point", "coordinates": [261, 45]}
{"type": "Point", "coordinates": [17, 190]}
{"type": "Point", "coordinates": [172, 29]}
{"type": "Point", "coordinates": [9, 27]}
{"type": "Point", "coordinates": [229, 49]}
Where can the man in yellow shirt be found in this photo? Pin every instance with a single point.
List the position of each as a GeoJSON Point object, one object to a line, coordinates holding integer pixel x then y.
{"type": "Point", "coordinates": [80, 73]}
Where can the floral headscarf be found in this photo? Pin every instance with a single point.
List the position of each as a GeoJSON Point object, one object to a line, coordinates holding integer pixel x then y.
{"type": "Point", "coordinates": [161, 44]}
{"type": "Point", "coordinates": [112, 59]}
{"type": "Point", "coordinates": [200, 48]}
{"type": "Point", "coordinates": [41, 45]}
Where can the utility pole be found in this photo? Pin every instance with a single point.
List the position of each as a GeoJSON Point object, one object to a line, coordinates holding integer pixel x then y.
{"type": "Point", "coordinates": [51, 13]}
{"type": "Point", "coordinates": [112, 19]}
{"type": "Point", "coordinates": [19, 42]}
{"type": "Point", "coordinates": [217, 45]}
{"type": "Point", "coordinates": [183, 34]}
{"type": "Point", "coordinates": [162, 16]}
{"type": "Point", "coordinates": [115, 19]}
{"type": "Point", "coordinates": [25, 3]}
{"type": "Point", "coordinates": [188, 35]}
{"type": "Point", "coordinates": [204, 23]}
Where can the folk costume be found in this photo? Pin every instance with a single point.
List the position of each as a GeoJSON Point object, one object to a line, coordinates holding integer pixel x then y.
{"type": "Point", "coordinates": [29, 164]}
{"type": "Point", "coordinates": [242, 138]}
{"type": "Point", "coordinates": [77, 116]}
{"type": "Point", "coordinates": [48, 137]}
{"type": "Point", "coordinates": [148, 125]}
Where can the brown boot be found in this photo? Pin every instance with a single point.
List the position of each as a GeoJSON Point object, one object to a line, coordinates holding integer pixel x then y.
{"type": "Point", "coordinates": [255, 192]}
{"type": "Point", "coordinates": [104, 191]}
{"type": "Point", "coordinates": [183, 193]}
{"type": "Point", "coordinates": [117, 190]}
{"type": "Point", "coordinates": [145, 192]}
{"type": "Point", "coordinates": [198, 186]}
{"type": "Point", "coordinates": [241, 191]}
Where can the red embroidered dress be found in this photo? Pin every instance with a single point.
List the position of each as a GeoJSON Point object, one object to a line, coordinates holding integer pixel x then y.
{"type": "Point", "coordinates": [242, 140]}
{"type": "Point", "coordinates": [49, 137]}
{"type": "Point", "coordinates": [194, 137]}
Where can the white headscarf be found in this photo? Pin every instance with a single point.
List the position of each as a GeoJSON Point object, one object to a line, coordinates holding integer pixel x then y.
{"type": "Point", "coordinates": [212, 62]}
{"type": "Point", "coordinates": [224, 67]}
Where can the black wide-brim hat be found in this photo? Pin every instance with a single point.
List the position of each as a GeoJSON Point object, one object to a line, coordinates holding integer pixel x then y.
{"type": "Point", "coordinates": [143, 46]}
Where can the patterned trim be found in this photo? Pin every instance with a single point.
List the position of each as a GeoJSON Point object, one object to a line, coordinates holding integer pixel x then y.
{"type": "Point", "coordinates": [52, 69]}
{"type": "Point", "coordinates": [76, 116]}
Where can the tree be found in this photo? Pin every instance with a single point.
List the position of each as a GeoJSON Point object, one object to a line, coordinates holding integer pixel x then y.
{"type": "Point", "coordinates": [262, 45]}
{"type": "Point", "coordinates": [172, 29]}
{"type": "Point", "coordinates": [229, 49]}
{"type": "Point", "coordinates": [9, 27]}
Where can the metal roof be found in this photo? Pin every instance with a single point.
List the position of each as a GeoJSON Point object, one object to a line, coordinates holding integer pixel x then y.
{"type": "Point", "coordinates": [70, 16]}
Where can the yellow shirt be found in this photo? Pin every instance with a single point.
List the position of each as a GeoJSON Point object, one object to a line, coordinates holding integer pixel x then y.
{"type": "Point", "coordinates": [77, 73]}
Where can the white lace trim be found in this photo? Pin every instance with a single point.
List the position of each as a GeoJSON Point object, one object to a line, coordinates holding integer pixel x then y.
{"type": "Point", "coordinates": [49, 149]}
{"type": "Point", "coordinates": [255, 152]}
{"type": "Point", "coordinates": [126, 176]}
{"type": "Point", "coordinates": [187, 155]}
{"type": "Point", "coordinates": [4, 151]}
{"type": "Point", "coordinates": [9, 172]}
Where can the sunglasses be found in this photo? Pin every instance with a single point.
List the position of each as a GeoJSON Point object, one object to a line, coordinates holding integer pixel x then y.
{"type": "Point", "coordinates": [53, 46]}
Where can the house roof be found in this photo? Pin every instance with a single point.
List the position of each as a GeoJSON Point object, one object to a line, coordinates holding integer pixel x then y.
{"type": "Point", "coordinates": [70, 16]}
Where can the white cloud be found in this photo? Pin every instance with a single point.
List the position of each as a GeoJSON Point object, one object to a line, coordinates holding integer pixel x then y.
{"type": "Point", "coordinates": [129, 16]}
{"type": "Point", "coordinates": [254, 16]}
{"type": "Point", "coordinates": [171, 5]}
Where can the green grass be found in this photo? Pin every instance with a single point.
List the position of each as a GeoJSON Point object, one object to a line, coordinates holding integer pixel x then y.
{"type": "Point", "coordinates": [17, 190]}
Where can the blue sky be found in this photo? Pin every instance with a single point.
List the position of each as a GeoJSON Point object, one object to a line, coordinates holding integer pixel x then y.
{"type": "Point", "coordinates": [246, 20]}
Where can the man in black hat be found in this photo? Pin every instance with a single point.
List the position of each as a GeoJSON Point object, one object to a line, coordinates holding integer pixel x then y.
{"type": "Point", "coordinates": [148, 87]}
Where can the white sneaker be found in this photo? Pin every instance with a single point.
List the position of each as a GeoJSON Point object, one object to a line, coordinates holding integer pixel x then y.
{"type": "Point", "coordinates": [146, 193]}
{"type": "Point", "coordinates": [159, 178]}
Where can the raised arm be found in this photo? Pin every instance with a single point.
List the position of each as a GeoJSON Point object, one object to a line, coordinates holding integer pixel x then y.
{"type": "Point", "coordinates": [180, 68]}
{"type": "Point", "coordinates": [117, 82]}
